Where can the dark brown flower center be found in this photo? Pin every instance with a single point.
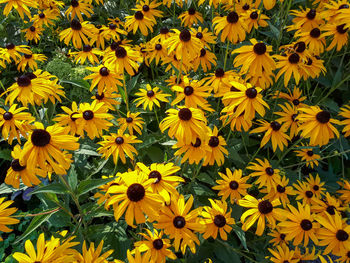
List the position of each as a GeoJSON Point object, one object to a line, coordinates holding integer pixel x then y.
{"type": "Point", "coordinates": [120, 52]}
{"type": "Point", "coordinates": [219, 220]}
{"type": "Point", "coordinates": [99, 97]}
{"type": "Point", "coordinates": [269, 171]}
{"type": "Point", "coordinates": [191, 11]}
{"type": "Point", "coordinates": [260, 48]}
{"type": "Point", "coordinates": [282, 236]}
{"type": "Point", "coordinates": [214, 141]}
{"type": "Point", "coordinates": [88, 115]}
{"type": "Point", "coordinates": [188, 90]}
{"type": "Point", "coordinates": [72, 118]}
{"type": "Point", "coordinates": [150, 93]}
{"type": "Point", "coordinates": [300, 47]}
{"type": "Point", "coordinates": [74, 3]}
{"type": "Point", "coordinates": [30, 75]}
{"type": "Point", "coordinates": [138, 15]}
{"type": "Point", "coordinates": [197, 143]}
{"type": "Point", "coordinates": [306, 224]}
{"type": "Point", "coordinates": [341, 29]}
{"type": "Point", "coordinates": [203, 52]}
{"type": "Point", "coordinates": [232, 17]}
{"type": "Point", "coordinates": [155, 174]}
{"type": "Point", "coordinates": [164, 30]}
{"type": "Point", "coordinates": [294, 58]}
{"type": "Point", "coordinates": [311, 14]}
{"type": "Point", "coordinates": [275, 126]}
{"type": "Point", "coordinates": [41, 15]}
{"type": "Point", "coordinates": [296, 102]}
{"type": "Point", "coordinates": [7, 116]}
{"type": "Point", "coordinates": [158, 244]}
{"type": "Point", "coordinates": [112, 26]}
{"type": "Point", "coordinates": [185, 114]}
{"type": "Point", "coordinates": [129, 120]}
{"type": "Point", "coordinates": [315, 33]}
{"type": "Point", "coordinates": [281, 189]}
{"type": "Point", "coordinates": [75, 25]}
{"type": "Point", "coordinates": [145, 8]}
{"type": "Point", "coordinates": [185, 35]}
{"type": "Point", "coordinates": [330, 210]}
{"type": "Point", "coordinates": [179, 222]}
{"type": "Point", "coordinates": [316, 187]}
{"type": "Point", "coordinates": [199, 35]}
{"type": "Point", "coordinates": [10, 46]}
{"type": "Point", "coordinates": [28, 56]}
{"type": "Point", "coordinates": [23, 81]}
{"type": "Point", "coordinates": [348, 254]}
{"type": "Point", "coordinates": [251, 93]}
{"type": "Point", "coordinates": [309, 194]}
{"type": "Point", "coordinates": [32, 29]}
{"type": "Point", "coordinates": [323, 117]}
{"type": "Point", "coordinates": [136, 192]}
{"type": "Point", "coordinates": [294, 117]}
{"type": "Point", "coordinates": [344, 6]}
{"type": "Point", "coordinates": [104, 71]}
{"type": "Point", "coordinates": [87, 48]}
{"type": "Point", "coordinates": [341, 235]}
{"type": "Point", "coordinates": [254, 15]}
{"type": "Point", "coordinates": [265, 207]}
{"type": "Point", "coordinates": [115, 45]}
{"type": "Point", "coordinates": [158, 47]}
{"type": "Point", "coordinates": [119, 140]}
{"type": "Point", "coordinates": [15, 165]}
{"type": "Point", "coordinates": [234, 185]}
{"type": "Point", "coordinates": [310, 153]}
{"type": "Point", "coordinates": [245, 7]}
{"type": "Point", "coordinates": [40, 137]}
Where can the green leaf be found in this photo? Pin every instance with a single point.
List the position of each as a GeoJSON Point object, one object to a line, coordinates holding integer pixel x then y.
{"type": "Point", "coordinates": [155, 154]}
{"type": "Point", "coordinates": [79, 83]}
{"type": "Point", "coordinates": [241, 235]}
{"type": "Point", "coordinates": [72, 178]}
{"type": "Point", "coordinates": [54, 188]}
{"type": "Point", "coordinates": [91, 184]}
{"type": "Point", "coordinates": [5, 189]}
{"type": "Point", "coordinates": [36, 222]}
{"type": "Point", "coordinates": [5, 154]}
{"type": "Point", "coordinates": [87, 152]}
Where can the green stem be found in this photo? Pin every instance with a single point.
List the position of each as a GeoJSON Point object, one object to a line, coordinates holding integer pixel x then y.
{"type": "Point", "coordinates": [126, 94]}
{"type": "Point", "coordinates": [228, 43]}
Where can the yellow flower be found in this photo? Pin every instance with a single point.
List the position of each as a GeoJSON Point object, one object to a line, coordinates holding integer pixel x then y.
{"type": "Point", "coordinates": [232, 27]}
{"type": "Point", "coordinates": [216, 148]}
{"type": "Point", "coordinates": [138, 21]}
{"type": "Point", "coordinates": [5, 216]}
{"type": "Point", "coordinates": [150, 96]}
{"type": "Point", "coordinates": [91, 255]}
{"type": "Point", "coordinates": [190, 17]}
{"type": "Point", "coordinates": [21, 6]}
{"type": "Point", "coordinates": [77, 8]}
{"type": "Point", "coordinates": [67, 119]}
{"type": "Point", "coordinates": [131, 122]}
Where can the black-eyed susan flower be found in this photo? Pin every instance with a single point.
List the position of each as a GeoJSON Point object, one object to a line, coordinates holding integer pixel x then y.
{"type": "Point", "coordinates": [193, 152]}
{"type": "Point", "coordinates": [30, 60]}
{"type": "Point", "coordinates": [137, 258]}
{"type": "Point", "coordinates": [91, 255]}
{"type": "Point", "coordinates": [344, 191]}
{"type": "Point", "coordinates": [267, 176]}
{"type": "Point", "coordinates": [78, 33]}
{"type": "Point", "coordinates": [99, 38]}
{"type": "Point", "coordinates": [17, 172]}
{"type": "Point", "coordinates": [185, 124]}
{"type": "Point", "coordinates": [254, 58]}
{"type": "Point", "coordinates": [164, 179]}
{"type": "Point", "coordinates": [306, 19]}
{"type": "Point", "coordinates": [54, 250]}
{"type": "Point", "coordinates": [87, 54]}
{"type": "Point", "coordinates": [317, 125]}
{"type": "Point", "coordinates": [134, 195]}
{"type": "Point", "coordinates": [313, 67]}
{"type": "Point", "coordinates": [314, 40]}
{"type": "Point", "coordinates": [260, 210]}
{"type": "Point", "coordinates": [92, 118]}
{"type": "Point", "coordinates": [217, 150]}
{"type": "Point", "coordinates": [150, 96]}
{"type": "Point", "coordinates": [255, 18]}
{"type": "Point", "coordinates": [44, 18]}
{"type": "Point", "coordinates": [21, 6]}
{"type": "Point", "coordinates": [289, 115]}
{"type": "Point", "coordinates": [338, 33]}
{"type": "Point", "coordinates": [328, 204]}
{"type": "Point", "coordinates": [139, 21]}
{"type": "Point", "coordinates": [217, 219]}
{"type": "Point", "coordinates": [206, 59]}
{"type": "Point", "coordinates": [278, 237]}
{"type": "Point", "coordinates": [118, 145]}
{"type": "Point", "coordinates": [282, 254]}
{"type": "Point", "coordinates": [316, 185]}
{"type": "Point", "coordinates": [303, 192]}
{"type": "Point", "coordinates": [280, 191]}
{"type": "Point", "coordinates": [179, 223]}
{"type": "Point", "coordinates": [300, 225]}
{"type": "Point", "coordinates": [294, 97]}
{"type": "Point", "coordinates": [306, 254]}
{"type": "Point", "coordinates": [109, 98]}
{"type": "Point", "coordinates": [194, 93]}
{"type": "Point", "coordinates": [191, 17]}
{"type": "Point", "coordinates": [156, 51]}
{"type": "Point", "coordinates": [66, 119]}
{"type": "Point", "coordinates": [45, 146]}
{"type": "Point", "coordinates": [237, 123]}
{"type": "Point", "coordinates": [345, 113]}
{"type": "Point", "coordinates": [14, 51]}
{"type": "Point", "coordinates": [112, 31]}
{"type": "Point", "coordinates": [33, 33]}
{"type": "Point", "coordinates": [184, 44]}
{"type": "Point", "coordinates": [6, 216]}
{"type": "Point", "coordinates": [232, 184]}
{"type": "Point", "coordinates": [204, 35]}
{"type": "Point", "coordinates": [179, 64]}
{"type": "Point", "coordinates": [334, 234]}
{"type": "Point", "coordinates": [104, 78]}
{"type": "Point", "coordinates": [14, 122]}
{"type": "Point", "coordinates": [308, 155]}
{"type": "Point", "coordinates": [155, 246]}
{"type": "Point", "coordinates": [149, 9]}
{"type": "Point", "coordinates": [164, 34]}
{"type": "Point", "coordinates": [232, 27]}
{"type": "Point", "coordinates": [275, 132]}
{"type": "Point", "coordinates": [77, 8]}
{"type": "Point", "coordinates": [124, 58]}
{"type": "Point", "coordinates": [132, 123]}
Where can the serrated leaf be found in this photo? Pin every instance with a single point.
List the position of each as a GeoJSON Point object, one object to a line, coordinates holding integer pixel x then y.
{"type": "Point", "coordinates": [72, 178]}
{"type": "Point", "coordinates": [91, 184]}
{"type": "Point", "coordinates": [54, 188]}
{"type": "Point", "coordinates": [87, 152]}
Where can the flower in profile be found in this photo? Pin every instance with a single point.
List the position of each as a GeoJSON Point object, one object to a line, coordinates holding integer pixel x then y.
{"type": "Point", "coordinates": [134, 195]}
{"type": "Point", "coordinates": [344, 191]}
{"type": "Point", "coordinates": [216, 148]}
{"type": "Point", "coordinates": [275, 132]}
{"type": "Point", "coordinates": [155, 246]}
{"type": "Point", "coordinates": [190, 17]}
{"type": "Point", "coordinates": [338, 33]}
{"type": "Point", "coordinates": [289, 118]}
{"type": "Point", "coordinates": [5, 216]}
{"type": "Point", "coordinates": [92, 255]}
{"type": "Point", "coordinates": [185, 45]}
{"type": "Point", "coordinates": [87, 54]}
{"type": "Point", "coordinates": [179, 223]}
{"type": "Point", "coordinates": [118, 145]}
{"type": "Point", "coordinates": [317, 125]}
{"type": "Point", "coordinates": [164, 179]}
{"type": "Point", "coordinates": [138, 258]}
{"type": "Point", "coordinates": [92, 118]}
{"type": "Point", "coordinates": [150, 96]}
{"type": "Point", "coordinates": [282, 254]}
{"type": "Point", "coordinates": [193, 152]}
{"type": "Point", "coordinates": [217, 219]}
{"type": "Point", "coordinates": [103, 78]}
{"type": "Point", "coordinates": [14, 51]}
{"type": "Point", "coordinates": [237, 123]}
{"type": "Point", "coordinates": [132, 123]}
{"type": "Point", "coordinates": [109, 98]}
{"type": "Point", "coordinates": [313, 67]}
{"type": "Point", "coordinates": [78, 33]}
{"type": "Point", "coordinates": [66, 119]}
{"type": "Point", "coordinates": [314, 40]}
{"type": "Point", "coordinates": [14, 122]}
{"type": "Point", "coordinates": [232, 27]}
{"type": "Point", "coordinates": [53, 250]}
{"type": "Point", "coordinates": [334, 234]}
{"type": "Point", "coordinates": [77, 8]}
{"type": "Point", "coordinates": [33, 33]}
{"type": "Point", "coordinates": [260, 210]}
{"type": "Point", "coordinates": [267, 176]}
{"type": "Point", "coordinates": [185, 124]}
{"type": "Point", "coordinates": [206, 59]}
{"type": "Point", "coordinates": [123, 58]}
{"type": "Point", "coordinates": [280, 191]}
{"type": "Point", "coordinates": [45, 146]}
{"type": "Point", "coordinates": [300, 225]}
{"type": "Point", "coordinates": [17, 172]}
{"type": "Point", "coordinates": [233, 185]}
{"type": "Point", "coordinates": [21, 6]}
{"type": "Point", "coordinates": [345, 113]}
